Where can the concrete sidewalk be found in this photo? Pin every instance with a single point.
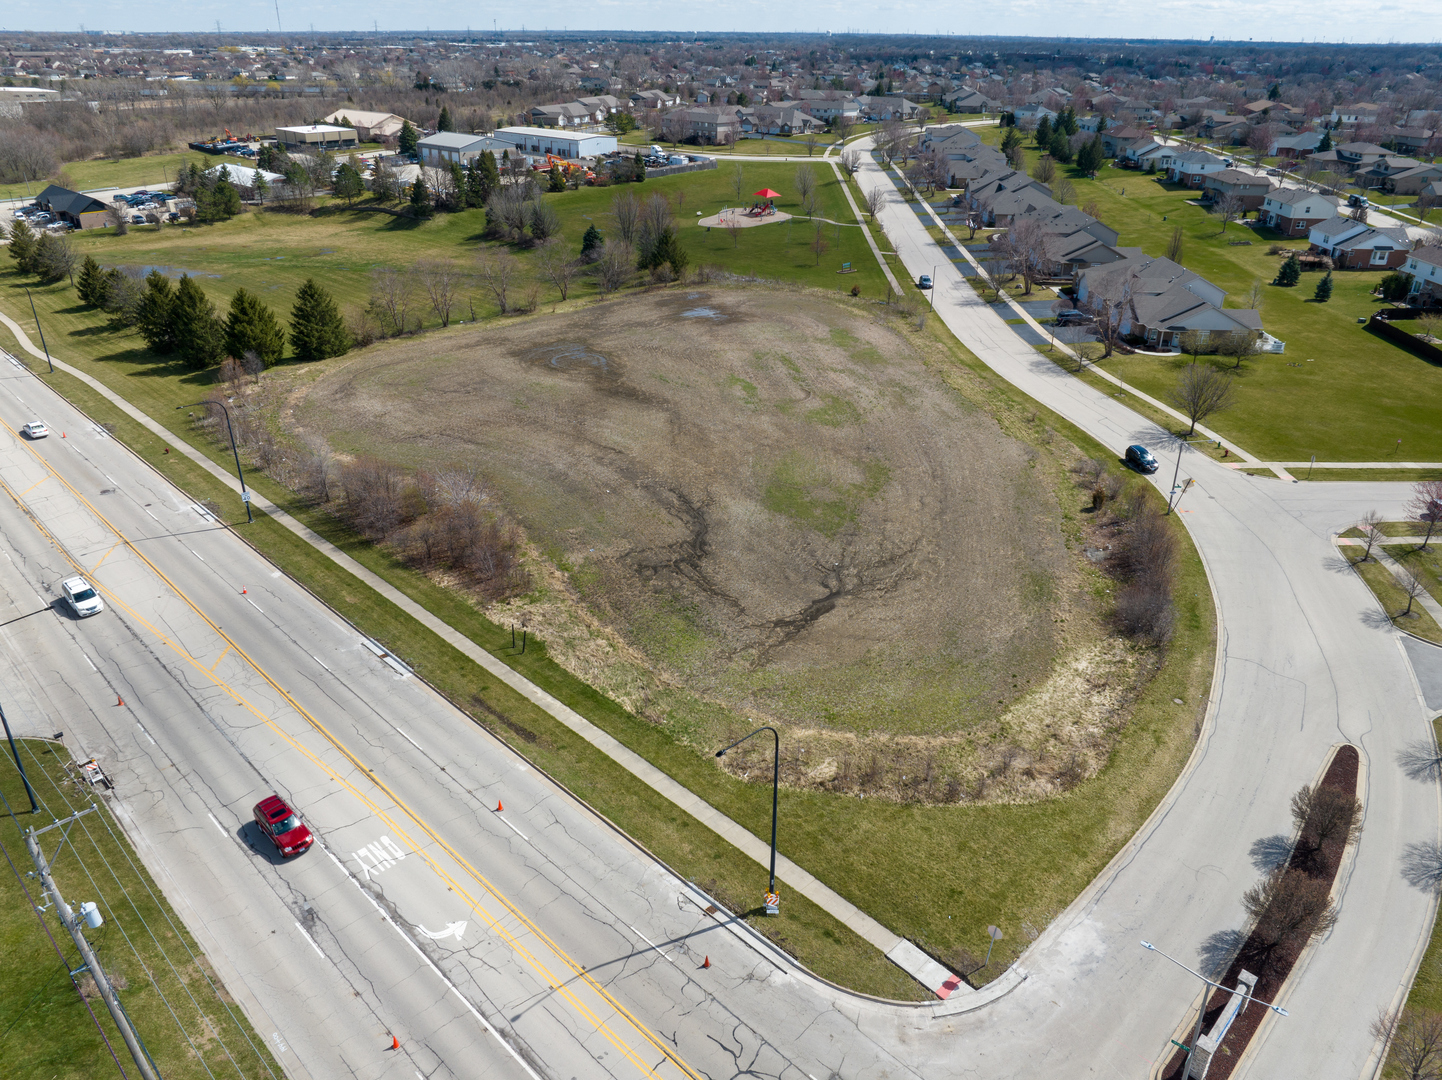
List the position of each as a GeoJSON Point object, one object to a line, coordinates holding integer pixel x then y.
{"type": "Point", "coordinates": [906, 956]}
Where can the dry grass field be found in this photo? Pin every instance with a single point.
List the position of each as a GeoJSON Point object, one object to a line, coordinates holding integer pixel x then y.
{"type": "Point", "coordinates": [759, 505]}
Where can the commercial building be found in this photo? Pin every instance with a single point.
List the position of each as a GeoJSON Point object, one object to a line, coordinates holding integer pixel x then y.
{"type": "Point", "coordinates": [539, 141]}
{"type": "Point", "coordinates": [315, 137]}
{"type": "Point", "coordinates": [82, 211]}
{"type": "Point", "coordinates": [369, 126]}
{"type": "Point", "coordinates": [445, 148]}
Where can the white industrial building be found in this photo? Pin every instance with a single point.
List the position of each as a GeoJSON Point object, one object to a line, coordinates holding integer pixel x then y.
{"type": "Point", "coordinates": [539, 141]}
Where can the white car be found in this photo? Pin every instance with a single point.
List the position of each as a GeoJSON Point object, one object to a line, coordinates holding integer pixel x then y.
{"type": "Point", "coordinates": [82, 597]}
{"type": "Point", "coordinates": [36, 429]}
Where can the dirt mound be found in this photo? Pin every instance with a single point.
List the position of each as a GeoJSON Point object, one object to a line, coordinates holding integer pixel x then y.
{"type": "Point", "coordinates": [767, 497]}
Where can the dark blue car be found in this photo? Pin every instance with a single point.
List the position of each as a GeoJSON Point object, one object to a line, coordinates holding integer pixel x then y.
{"type": "Point", "coordinates": [1141, 459]}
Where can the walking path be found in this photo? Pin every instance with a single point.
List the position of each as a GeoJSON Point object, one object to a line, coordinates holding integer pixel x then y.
{"type": "Point", "coordinates": [1424, 600]}
{"type": "Point", "coordinates": [911, 959]}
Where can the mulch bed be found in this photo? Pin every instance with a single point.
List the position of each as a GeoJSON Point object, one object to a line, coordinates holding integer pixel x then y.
{"type": "Point", "coordinates": [1272, 971]}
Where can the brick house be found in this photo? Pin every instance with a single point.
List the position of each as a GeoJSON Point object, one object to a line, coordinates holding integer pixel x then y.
{"type": "Point", "coordinates": [1191, 167]}
{"type": "Point", "coordinates": [1253, 189]}
{"type": "Point", "coordinates": [1351, 245]}
{"type": "Point", "coordinates": [1425, 266]}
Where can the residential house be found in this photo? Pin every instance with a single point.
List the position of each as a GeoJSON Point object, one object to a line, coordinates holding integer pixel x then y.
{"type": "Point", "coordinates": [654, 99]}
{"type": "Point", "coordinates": [1412, 140]}
{"type": "Point", "coordinates": [971, 101]}
{"type": "Point", "coordinates": [1190, 167]}
{"type": "Point", "coordinates": [828, 105]}
{"type": "Point", "coordinates": [1413, 181]}
{"type": "Point", "coordinates": [1030, 115]}
{"type": "Point", "coordinates": [1250, 188]}
{"type": "Point", "coordinates": [874, 109]}
{"type": "Point", "coordinates": [1116, 138]}
{"type": "Point", "coordinates": [74, 207]}
{"type": "Point", "coordinates": [1166, 300]}
{"type": "Point", "coordinates": [1152, 150]}
{"type": "Point", "coordinates": [1359, 155]}
{"type": "Point", "coordinates": [1299, 145]}
{"type": "Point", "coordinates": [1294, 211]}
{"type": "Point", "coordinates": [1425, 267]}
{"type": "Point", "coordinates": [1000, 195]}
{"type": "Point", "coordinates": [1382, 173]}
{"type": "Point", "coordinates": [969, 159]}
{"type": "Point", "coordinates": [1350, 116]}
{"type": "Point", "coordinates": [778, 120]}
{"type": "Point", "coordinates": [706, 125]}
{"type": "Point", "coordinates": [1353, 245]}
{"type": "Point", "coordinates": [567, 114]}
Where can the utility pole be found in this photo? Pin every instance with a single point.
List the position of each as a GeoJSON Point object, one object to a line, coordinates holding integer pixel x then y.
{"type": "Point", "coordinates": [72, 924]}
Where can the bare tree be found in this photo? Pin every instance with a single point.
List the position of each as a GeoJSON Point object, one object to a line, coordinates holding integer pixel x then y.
{"type": "Point", "coordinates": [1359, 214]}
{"type": "Point", "coordinates": [850, 161]}
{"type": "Point", "coordinates": [391, 294]}
{"type": "Point", "coordinates": [875, 200]}
{"type": "Point", "coordinates": [811, 142]}
{"type": "Point", "coordinates": [1200, 391]}
{"type": "Point", "coordinates": [1192, 342]}
{"type": "Point", "coordinates": [1428, 324]}
{"type": "Point", "coordinates": [1063, 191]}
{"type": "Point", "coordinates": [1109, 304]}
{"type": "Point", "coordinates": [732, 225]}
{"type": "Point", "coordinates": [806, 188]}
{"type": "Point", "coordinates": [615, 266]}
{"type": "Point", "coordinates": [1412, 588]}
{"type": "Point", "coordinates": [1259, 141]}
{"type": "Point", "coordinates": [441, 280]}
{"type": "Point", "coordinates": [558, 266]}
{"type": "Point", "coordinates": [1229, 205]}
{"type": "Point", "coordinates": [891, 140]}
{"type": "Point", "coordinates": [1175, 246]}
{"type": "Point", "coordinates": [1425, 506]}
{"type": "Point", "coordinates": [1254, 295]}
{"type": "Point", "coordinates": [1023, 246]}
{"type": "Point", "coordinates": [1290, 908]}
{"type": "Point", "coordinates": [1044, 170]}
{"type": "Point", "coordinates": [626, 209]}
{"type": "Point", "coordinates": [818, 243]}
{"type": "Point", "coordinates": [1324, 816]}
{"type": "Point", "coordinates": [1017, 158]}
{"type": "Point", "coordinates": [738, 182]}
{"type": "Point", "coordinates": [1414, 1038]}
{"type": "Point", "coordinates": [1244, 345]}
{"type": "Point", "coordinates": [499, 273]}
{"type": "Point", "coordinates": [1370, 528]}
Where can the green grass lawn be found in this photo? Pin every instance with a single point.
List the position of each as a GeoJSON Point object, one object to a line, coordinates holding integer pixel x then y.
{"type": "Point", "coordinates": [1389, 594]}
{"type": "Point", "coordinates": [150, 957]}
{"type": "Point", "coordinates": [1339, 391]}
{"type": "Point", "coordinates": [1426, 991]}
{"type": "Point", "coordinates": [125, 172]}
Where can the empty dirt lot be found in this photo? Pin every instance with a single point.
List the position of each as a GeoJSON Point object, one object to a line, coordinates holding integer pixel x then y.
{"type": "Point", "coordinates": [765, 505]}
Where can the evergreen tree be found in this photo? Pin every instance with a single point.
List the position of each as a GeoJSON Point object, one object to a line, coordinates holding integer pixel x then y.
{"type": "Point", "coordinates": [91, 283]}
{"type": "Point", "coordinates": [54, 258]}
{"type": "Point", "coordinates": [638, 168]}
{"type": "Point", "coordinates": [490, 176]}
{"type": "Point", "coordinates": [1043, 132]}
{"type": "Point", "coordinates": [421, 205]}
{"type": "Point", "coordinates": [1275, 93]}
{"type": "Point", "coordinates": [199, 333]}
{"type": "Point", "coordinates": [457, 198]}
{"type": "Point", "coordinates": [1324, 289]}
{"type": "Point", "coordinates": [474, 189]}
{"type": "Point", "coordinates": [22, 245]}
{"type": "Point", "coordinates": [1090, 157]}
{"type": "Point", "coordinates": [225, 199]}
{"type": "Point", "coordinates": [252, 327]}
{"type": "Point", "coordinates": [1066, 121]}
{"type": "Point", "coordinates": [1009, 140]}
{"type": "Point", "coordinates": [316, 329]}
{"type": "Point", "coordinates": [557, 182]}
{"type": "Point", "coordinates": [445, 123]}
{"type": "Point", "coordinates": [1326, 143]}
{"type": "Point", "coordinates": [348, 184]}
{"type": "Point", "coordinates": [591, 241]}
{"type": "Point", "coordinates": [262, 187]}
{"type": "Point", "coordinates": [1101, 124]}
{"type": "Point", "coordinates": [1291, 271]}
{"type": "Point", "coordinates": [408, 139]}
{"type": "Point", "coordinates": [1061, 147]}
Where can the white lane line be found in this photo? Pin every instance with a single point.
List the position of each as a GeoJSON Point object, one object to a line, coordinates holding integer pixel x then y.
{"type": "Point", "coordinates": [91, 663]}
{"type": "Point", "coordinates": [152, 516]}
{"type": "Point", "coordinates": [195, 553]}
{"type": "Point", "coordinates": [319, 661]}
{"type": "Point", "coordinates": [647, 940]}
{"type": "Point", "coordinates": [513, 829]}
{"type": "Point", "coordinates": [253, 604]}
{"type": "Point", "coordinates": [145, 733]}
{"type": "Point", "coordinates": [108, 477]}
{"type": "Point", "coordinates": [432, 965]}
{"type": "Point", "coordinates": [313, 945]}
{"type": "Point", "coordinates": [408, 739]}
{"type": "Point", "coordinates": [218, 825]}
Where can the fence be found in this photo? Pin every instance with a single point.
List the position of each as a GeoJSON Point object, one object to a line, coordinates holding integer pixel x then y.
{"type": "Point", "coordinates": [673, 170]}
{"type": "Point", "coordinates": [1382, 323]}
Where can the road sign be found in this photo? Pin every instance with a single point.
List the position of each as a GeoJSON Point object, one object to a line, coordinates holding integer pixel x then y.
{"type": "Point", "coordinates": [245, 496]}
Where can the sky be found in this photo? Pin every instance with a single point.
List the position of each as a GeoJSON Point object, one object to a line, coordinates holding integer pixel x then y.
{"type": "Point", "coordinates": [1275, 20]}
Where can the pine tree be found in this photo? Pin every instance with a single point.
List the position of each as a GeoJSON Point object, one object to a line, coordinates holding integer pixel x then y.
{"type": "Point", "coordinates": [591, 241]}
{"type": "Point", "coordinates": [1009, 140]}
{"type": "Point", "coordinates": [152, 315]}
{"type": "Point", "coordinates": [262, 187]}
{"type": "Point", "coordinates": [22, 245]}
{"type": "Point", "coordinates": [421, 205]}
{"type": "Point", "coordinates": [252, 327]}
{"type": "Point", "coordinates": [348, 184]}
{"type": "Point", "coordinates": [1090, 157]}
{"type": "Point", "coordinates": [1326, 143]}
{"type": "Point", "coordinates": [316, 329]}
{"type": "Point", "coordinates": [1043, 132]}
{"type": "Point", "coordinates": [1324, 289]}
{"type": "Point", "coordinates": [407, 141]}
{"type": "Point", "coordinates": [557, 182]}
{"type": "Point", "coordinates": [1061, 147]}
{"type": "Point", "coordinates": [225, 200]}
{"type": "Point", "coordinates": [490, 176]}
{"type": "Point", "coordinates": [1101, 124]}
{"type": "Point", "coordinates": [91, 282]}
{"type": "Point", "coordinates": [199, 333]}
{"type": "Point", "coordinates": [1291, 271]}
{"type": "Point", "coordinates": [445, 123]}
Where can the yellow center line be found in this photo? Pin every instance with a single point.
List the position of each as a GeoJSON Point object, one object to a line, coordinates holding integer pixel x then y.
{"type": "Point", "coordinates": [105, 556]}
{"type": "Point", "coordinates": [562, 986]}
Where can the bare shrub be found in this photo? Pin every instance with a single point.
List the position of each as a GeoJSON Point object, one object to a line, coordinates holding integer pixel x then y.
{"type": "Point", "coordinates": [626, 209]}
{"type": "Point", "coordinates": [441, 281]}
{"type": "Point", "coordinates": [392, 293]}
{"type": "Point", "coordinates": [1326, 816]}
{"type": "Point", "coordinates": [1415, 1039]}
{"type": "Point", "coordinates": [499, 272]}
{"type": "Point", "coordinates": [615, 266]}
{"type": "Point", "coordinates": [558, 266]}
{"type": "Point", "coordinates": [372, 492]}
{"type": "Point", "coordinates": [1291, 907]}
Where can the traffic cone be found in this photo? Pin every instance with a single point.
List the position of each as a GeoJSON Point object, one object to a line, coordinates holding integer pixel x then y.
{"type": "Point", "coordinates": [62, 434]}
{"type": "Point", "coordinates": [395, 1043]}
{"type": "Point", "coordinates": [706, 963]}
{"type": "Point", "coordinates": [119, 701]}
{"type": "Point", "coordinates": [499, 807]}
{"type": "Point", "coordinates": [242, 592]}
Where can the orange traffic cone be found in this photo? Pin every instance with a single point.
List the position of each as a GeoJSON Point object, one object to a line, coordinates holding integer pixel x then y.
{"type": "Point", "coordinates": [242, 592]}
{"type": "Point", "coordinates": [119, 701]}
{"type": "Point", "coordinates": [395, 1043]}
{"type": "Point", "coordinates": [706, 963]}
{"type": "Point", "coordinates": [499, 807]}
{"type": "Point", "coordinates": [62, 434]}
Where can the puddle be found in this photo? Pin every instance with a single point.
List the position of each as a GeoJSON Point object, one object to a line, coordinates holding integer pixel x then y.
{"type": "Point", "coordinates": [703, 313]}
{"type": "Point", "coordinates": [568, 356]}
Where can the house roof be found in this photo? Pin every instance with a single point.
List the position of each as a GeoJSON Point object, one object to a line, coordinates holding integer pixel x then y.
{"type": "Point", "coordinates": [1243, 179]}
{"type": "Point", "coordinates": [1370, 238]}
{"type": "Point", "coordinates": [70, 202]}
{"type": "Point", "coordinates": [1335, 228]}
{"type": "Point", "coordinates": [452, 140]}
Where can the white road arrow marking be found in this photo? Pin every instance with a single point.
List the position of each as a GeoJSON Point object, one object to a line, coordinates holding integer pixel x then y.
{"type": "Point", "coordinates": [455, 930]}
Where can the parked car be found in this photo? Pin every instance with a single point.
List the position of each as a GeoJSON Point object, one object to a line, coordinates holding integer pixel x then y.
{"type": "Point", "coordinates": [1071, 316]}
{"type": "Point", "coordinates": [924, 282]}
{"type": "Point", "coordinates": [283, 826]}
{"type": "Point", "coordinates": [81, 597]}
{"type": "Point", "coordinates": [36, 429]}
{"type": "Point", "coordinates": [1358, 200]}
{"type": "Point", "coordinates": [1141, 459]}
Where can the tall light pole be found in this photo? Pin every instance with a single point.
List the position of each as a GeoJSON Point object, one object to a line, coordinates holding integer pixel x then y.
{"type": "Point", "coordinates": [1202, 1012]}
{"type": "Point", "coordinates": [772, 901]}
{"type": "Point", "coordinates": [244, 493]}
{"type": "Point", "coordinates": [41, 329]}
{"type": "Point", "coordinates": [1182, 444]}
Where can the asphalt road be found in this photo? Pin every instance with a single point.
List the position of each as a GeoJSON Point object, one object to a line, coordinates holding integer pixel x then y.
{"type": "Point", "coordinates": [579, 956]}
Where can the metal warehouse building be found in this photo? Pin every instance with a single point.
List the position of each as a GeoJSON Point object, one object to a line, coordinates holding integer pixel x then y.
{"type": "Point", "coordinates": [535, 141]}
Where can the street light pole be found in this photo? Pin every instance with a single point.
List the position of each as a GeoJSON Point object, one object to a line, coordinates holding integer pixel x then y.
{"type": "Point", "coordinates": [1182, 444]}
{"type": "Point", "coordinates": [1202, 1012]}
{"type": "Point", "coordinates": [775, 787]}
{"type": "Point", "coordinates": [41, 329]}
{"type": "Point", "coordinates": [244, 493]}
